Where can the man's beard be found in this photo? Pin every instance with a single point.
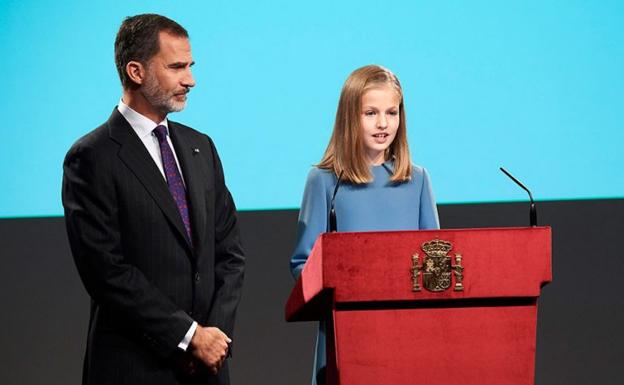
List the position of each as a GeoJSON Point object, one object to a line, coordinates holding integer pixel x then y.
{"type": "Point", "coordinates": [160, 99]}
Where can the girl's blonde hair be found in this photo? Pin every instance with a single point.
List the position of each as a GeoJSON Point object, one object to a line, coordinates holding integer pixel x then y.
{"type": "Point", "coordinates": [346, 152]}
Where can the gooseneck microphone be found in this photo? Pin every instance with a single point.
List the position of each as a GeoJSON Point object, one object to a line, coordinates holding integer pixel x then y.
{"type": "Point", "coordinates": [533, 210]}
{"type": "Point", "coordinates": [333, 224]}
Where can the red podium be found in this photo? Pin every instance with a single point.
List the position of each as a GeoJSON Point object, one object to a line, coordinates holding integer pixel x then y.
{"type": "Point", "coordinates": [448, 307]}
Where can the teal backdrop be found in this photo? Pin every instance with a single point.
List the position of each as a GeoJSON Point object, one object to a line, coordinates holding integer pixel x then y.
{"type": "Point", "coordinates": [535, 86]}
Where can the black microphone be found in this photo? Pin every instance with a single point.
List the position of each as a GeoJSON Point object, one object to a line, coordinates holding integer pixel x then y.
{"type": "Point", "coordinates": [333, 224]}
{"type": "Point", "coordinates": [533, 210]}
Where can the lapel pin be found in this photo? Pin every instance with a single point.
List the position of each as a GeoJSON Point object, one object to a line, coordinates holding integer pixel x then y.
{"type": "Point", "coordinates": [195, 151]}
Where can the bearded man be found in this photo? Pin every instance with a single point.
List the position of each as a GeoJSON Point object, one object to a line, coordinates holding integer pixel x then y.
{"type": "Point", "coordinates": [152, 225]}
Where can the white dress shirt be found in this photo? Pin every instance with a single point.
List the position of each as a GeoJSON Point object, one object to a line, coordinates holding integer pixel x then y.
{"type": "Point", "coordinates": [144, 128]}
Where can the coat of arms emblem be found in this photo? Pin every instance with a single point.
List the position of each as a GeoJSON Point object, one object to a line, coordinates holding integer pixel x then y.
{"type": "Point", "coordinates": [437, 269]}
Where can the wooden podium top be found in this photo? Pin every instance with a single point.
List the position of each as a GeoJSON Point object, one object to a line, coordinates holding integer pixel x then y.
{"type": "Point", "coordinates": [380, 267]}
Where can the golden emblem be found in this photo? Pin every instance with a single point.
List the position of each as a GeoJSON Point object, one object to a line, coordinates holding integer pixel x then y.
{"type": "Point", "coordinates": [436, 268]}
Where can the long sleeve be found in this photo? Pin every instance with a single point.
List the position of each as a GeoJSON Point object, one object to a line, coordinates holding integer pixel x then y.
{"type": "Point", "coordinates": [92, 220]}
{"type": "Point", "coordinates": [428, 209]}
{"type": "Point", "coordinates": [312, 219]}
{"type": "Point", "coordinates": [229, 256]}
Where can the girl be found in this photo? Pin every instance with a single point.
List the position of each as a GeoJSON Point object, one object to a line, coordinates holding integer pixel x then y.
{"type": "Point", "coordinates": [379, 187]}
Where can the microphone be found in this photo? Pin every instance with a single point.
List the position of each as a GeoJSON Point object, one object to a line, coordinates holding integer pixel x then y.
{"type": "Point", "coordinates": [333, 224]}
{"type": "Point", "coordinates": [533, 210]}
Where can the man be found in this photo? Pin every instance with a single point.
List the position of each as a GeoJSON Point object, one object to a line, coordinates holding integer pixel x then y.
{"type": "Point", "coordinates": [152, 226]}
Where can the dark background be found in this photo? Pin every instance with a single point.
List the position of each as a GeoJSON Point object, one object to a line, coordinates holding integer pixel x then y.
{"type": "Point", "coordinates": [580, 324]}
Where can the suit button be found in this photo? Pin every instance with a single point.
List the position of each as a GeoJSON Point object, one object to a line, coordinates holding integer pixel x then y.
{"type": "Point", "coordinates": [197, 277]}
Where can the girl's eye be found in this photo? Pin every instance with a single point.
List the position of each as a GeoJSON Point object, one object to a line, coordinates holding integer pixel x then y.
{"type": "Point", "coordinates": [393, 113]}
{"type": "Point", "coordinates": [369, 113]}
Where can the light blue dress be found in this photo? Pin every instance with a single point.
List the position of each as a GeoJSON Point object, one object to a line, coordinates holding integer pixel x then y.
{"type": "Point", "coordinates": [378, 205]}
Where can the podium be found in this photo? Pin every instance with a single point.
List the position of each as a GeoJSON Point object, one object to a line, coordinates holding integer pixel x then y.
{"type": "Point", "coordinates": [447, 307]}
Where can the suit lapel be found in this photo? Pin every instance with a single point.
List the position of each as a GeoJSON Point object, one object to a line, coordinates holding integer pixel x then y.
{"type": "Point", "coordinates": [192, 173]}
{"type": "Point", "coordinates": [134, 154]}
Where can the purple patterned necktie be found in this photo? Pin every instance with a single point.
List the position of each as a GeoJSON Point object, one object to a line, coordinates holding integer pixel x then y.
{"type": "Point", "coordinates": [174, 179]}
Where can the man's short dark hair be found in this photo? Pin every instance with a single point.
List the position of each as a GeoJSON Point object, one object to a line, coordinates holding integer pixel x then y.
{"type": "Point", "coordinates": [138, 40]}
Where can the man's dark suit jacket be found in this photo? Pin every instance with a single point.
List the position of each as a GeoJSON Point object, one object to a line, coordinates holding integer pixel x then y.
{"type": "Point", "coordinates": [146, 281]}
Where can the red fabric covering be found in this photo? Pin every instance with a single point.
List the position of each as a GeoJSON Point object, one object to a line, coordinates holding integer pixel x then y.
{"type": "Point", "coordinates": [455, 346]}
{"type": "Point", "coordinates": [384, 333]}
{"type": "Point", "coordinates": [376, 266]}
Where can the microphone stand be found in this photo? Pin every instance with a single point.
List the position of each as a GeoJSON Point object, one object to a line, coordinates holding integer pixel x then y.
{"type": "Point", "coordinates": [533, 210]}
{"type": "Point", "coordinates": [333, 224]}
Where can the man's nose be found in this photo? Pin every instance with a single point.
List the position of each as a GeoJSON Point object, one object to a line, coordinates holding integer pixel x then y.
{"type": "Point", "coordinates": [188, 80]}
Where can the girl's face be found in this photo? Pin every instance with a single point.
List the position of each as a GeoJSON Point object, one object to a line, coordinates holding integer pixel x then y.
{"type": "Point", "coordinates": [379, 121]}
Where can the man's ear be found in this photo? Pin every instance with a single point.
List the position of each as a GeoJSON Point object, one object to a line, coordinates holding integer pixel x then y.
{"type": "Point", "coordinates": [136, 72]}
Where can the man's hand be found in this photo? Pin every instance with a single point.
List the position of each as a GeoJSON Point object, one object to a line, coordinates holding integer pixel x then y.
{"type": "Point", "coordinates": [210, 346]}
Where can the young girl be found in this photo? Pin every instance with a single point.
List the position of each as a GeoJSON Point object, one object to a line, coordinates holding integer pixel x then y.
{"type": "Point", "coordinates": [380, 188]}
